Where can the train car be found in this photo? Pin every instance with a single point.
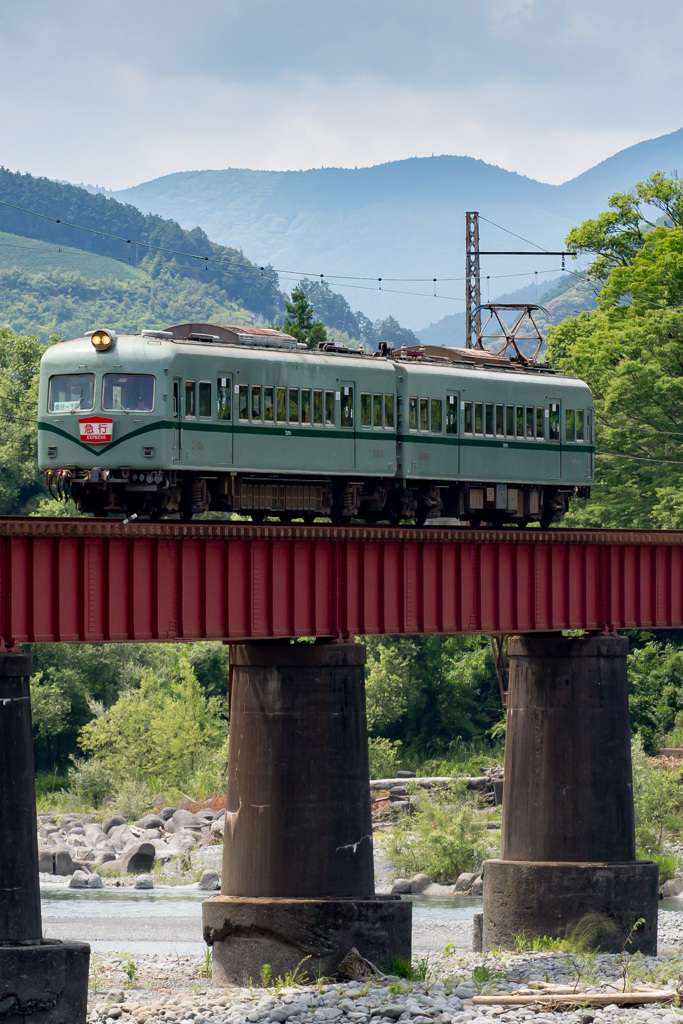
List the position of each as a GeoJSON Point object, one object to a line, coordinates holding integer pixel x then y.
{"type": "Point", "coordinates": [208, 417]}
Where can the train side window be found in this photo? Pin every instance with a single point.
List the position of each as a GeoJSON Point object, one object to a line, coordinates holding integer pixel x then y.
{"type": "Point", "coordinates": [436, 415]}
{"type": "Point", "coordinates": [412, 414]}
{"type": "Point", "coordinates": [451, 414]}
{"type": "Point", "coordinates": [529, 421]}
{"type": "Point", "coordinates": [569, 425]}
{"type": "Point", "coordinates": [268, 405]}
{"type": "Point", "coordinates": [589, 426]}
{"type": "Point", "coordinates": [377, 410]}
{"type": "Point", "coordinates": [223, 399]}
{"type": "Point", "coordinates": [293, 405]}
{"type": "Point", "coordinates": [424, 414]}
{"type": "Point", "coordinates": [500, 421]}
{"type": "Point", "coordinates": [519, 421]}
{"type": "Point", "coordinates": [478, 417]}
{"type": "Point", "coordinates": [190, 398]}
{"type": "Point", "coordinates": [347, 406]}
{"type": "Point", "coordinates": [509, 421]}
{"type": "Point", "coordinates": [281, 405]}
{"type": "Point", "coordinates": [318, 407]}
{"type": "Point", "coordinates": [540, 423]}
{"type": "Point", "coordinates": [365, 410]}
{"type": "Point", "coordinates": [205, 399]}
{"type": "Point", "coordinates": [554, 422]}
{"type": "Point", "coordinates": [389, 411]}
{"type": "Point", "coordinates": [255, 403]}
{"type": "Point", "coordinates": [469, 425]}
{"type": "Point", "coordinates": [305, 405]}
{"type": "Point", "coordinates": [243, 402]}
{"type": "Point", "coordinates": [488, 423]}
{"type": "Point", "coordinates": [579, 424]}
{"type": "Point", "coordinates": [329, 408]}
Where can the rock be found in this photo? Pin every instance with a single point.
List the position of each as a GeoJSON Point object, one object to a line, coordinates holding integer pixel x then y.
{"type": "Point", "coordinates": [183, 804]}
{"type": "Point", "coordinates": [478, 886]}
{"type": "Point", "coordinates": [95, 882]}
{"type": "Point", "coordinates": [103, 857]}
{"type": "Point", "coordinates": [138, 858]}
{"type": "Point", "coordinates": [391, 1010]}
{"type": "Point", "coordinates": [418, 883]}
{"type": "Point", "coordinates": [79, 880]}
{"type": "Point", "coordinates": [478, 933]}
{"type": "Point", "coordinates": [401, 885]}
{"type": "Point", "coordinates": [403, 773]}
{"type": "Point", "coordinates": [46, 861]}
{"type": "Point", "coordinates": [115, 995]}
{"type": "Point", "coordinates": [150, 821]}
{"type": "Point", "coordinates": [185, 819]}
{"type": "Point", "coordinates": [672, 888]}
{"type": "Point", "coordinates": [166, 813]}
{"type": "Point", "coordinates": [210, 882]}
{"type": "Point", "coordinates": [144, 882]}
{"type": "Point", "coordinates": [109, 824]}
{"type": "Point", "coordinates": [464, 881]}
{"type": "Point", "coordinates": [64, 864]}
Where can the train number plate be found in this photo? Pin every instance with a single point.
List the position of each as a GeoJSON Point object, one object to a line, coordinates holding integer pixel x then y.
{"type": "Point", "coordinates": [96, 429]}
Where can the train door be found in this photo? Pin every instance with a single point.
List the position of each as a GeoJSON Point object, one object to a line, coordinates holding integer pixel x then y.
{"type": "Point", "coordinates": [224, 419]}
{"type": "Point", "coordinates": [554, 435]}
{"type": "Point", "coordinates": [176, 447]}
{"type": "Point", "coordinates": [452, 432]}
{"type": "Point", "coordinates": [347, 423]}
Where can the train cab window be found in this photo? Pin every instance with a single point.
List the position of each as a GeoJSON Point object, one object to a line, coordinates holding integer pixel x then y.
{"type": "Point", "coordinates": [293, 405]}
{"type": "Point", "coordinates": [131, 392]}
{"type": "Point", "coordinates": [469, 423]}
{"type": "Point", "coordinates": [509, 421]}
{"type": "Point", "coordinates": [579, 424]}
{"type": "Point", "coordinates": [554, 422]}
{"type": "Point", "coordinates": [205, 399]}
{"type": "Point", "coordinates": [305, 406]}
{"type": "Point", "coordinates": [190, 398]}
{"type": "Point", "coordinates": [478, 417]}
{"type": "Point", "coordinates": [540, 423]}
{"type": "Point", "coordinates": [365, 410]}
{"type": "Point", "coordinates": [318, 407]}
{"type": "Point", "coordinates": [424, 414]}
{"type": "Point", "coordinates": [436, 415]}
{"type": "Point", "coordinates": [451, 414]}
{"type": "Point", "coordinates": [329, 408]}
{"type": "Point", "coordinates": [243, 402]}
{"type": "Point", "coordinates": [377, 410]}
{"type": "Point", "coordinates": [223, 399]}
{"type": "Point", "coordinates": [500, 421]}
{"type": "Point", "coordinates": [488, 419]}
{"type": "Point", "coordinates": [281, 406]}
{"type": "Point", "coordinates": [519, 421]}
{"type": "Point", "coordinates": [347, 406]}
{"type": "Point", "coordinates": [412, 414]}
{"type": "Point", "coordinates": [389, 421]}
{"type": "Point", "coordinates": [72, 392]}
{"type": "Point", "coordinates": [569, 425]}
{"type": "Point", "coordinates": [529, 422]}
{"type": "Point", "coordinates": [268, 410]}
{"type": "Point", "coordinates": [255, 403]}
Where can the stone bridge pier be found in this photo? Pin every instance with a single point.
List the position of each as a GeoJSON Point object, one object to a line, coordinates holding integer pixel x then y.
{"type": "Point", "coordinates": [298, 877]}
{"type": "Point", "coordinates": [41, 981]}
{"type": "Point", "coordinates": [568, 842]}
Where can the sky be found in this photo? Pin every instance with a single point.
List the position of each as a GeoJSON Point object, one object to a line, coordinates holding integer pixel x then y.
{"type": "Point", "coordinates": [115, 94]}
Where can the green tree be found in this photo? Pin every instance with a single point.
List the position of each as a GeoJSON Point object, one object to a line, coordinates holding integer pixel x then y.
{"type": "Point", "coordinates": [300, 321]}
{"type": "Point", "coordinates": [21, 484]}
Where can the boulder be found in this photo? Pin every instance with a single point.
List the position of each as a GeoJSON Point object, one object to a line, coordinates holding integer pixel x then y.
{"type": "Point", "coordinates": [103, 857]}
{"type": "Point", "coordinates": [144, 882]}
{"type": "Point", "coordinates": [183, 804]}
{"type": "Point", "coordinates": [418, 883]}
{"type": "Point", "coordinates": [109, 824]}
{"type": "Point", "coordinates": [95, 882]}
{"type": "Point", "coordinates": [167, 812]}
{"type": "Point", "coordinates": [209, 881]}
{"type": "Point", "coordinates": [137, 858]}
{"type": "Point", "coordinates": [478, 886]}
{"type": "Point", "coordinates": [64, 864]}
{"type": "Point", "coordinates": [670, 889]}
{"type": "Point", "coordinates": [464, 881]}
{"type": "Point", "coordinates": [46, 861]}
{"type": "Point", "coordinates": [79, 880]}
{"type": "Point", "coordinates": [401, 886]}
{"type": "Point", "coordinates": [185, 819]}
{"type": "Point", "coordinates": [150, 821]}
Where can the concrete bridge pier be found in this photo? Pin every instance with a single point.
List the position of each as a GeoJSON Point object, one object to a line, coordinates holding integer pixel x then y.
{"type": "Point", "coordinates": [41, 981]}
{"type": "Point", "coordinates": [568, 842]}
{"type": "Point", "coordinates": [298, 877]}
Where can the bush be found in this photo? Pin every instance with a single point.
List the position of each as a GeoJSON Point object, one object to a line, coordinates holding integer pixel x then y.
{"type": "Point", "coordinates": [385, 757]}
{"type": "Point", "coordinates": [445, 836]}
{"type": "Point", "coordinates": [657, 802]}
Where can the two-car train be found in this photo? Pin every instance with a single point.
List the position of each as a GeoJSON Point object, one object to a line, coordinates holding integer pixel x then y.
{"type": "Point", "coordinates": [208, 417]}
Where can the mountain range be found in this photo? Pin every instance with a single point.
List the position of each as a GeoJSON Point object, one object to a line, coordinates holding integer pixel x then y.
{"type": "Point", "coordinates": [401, 220]}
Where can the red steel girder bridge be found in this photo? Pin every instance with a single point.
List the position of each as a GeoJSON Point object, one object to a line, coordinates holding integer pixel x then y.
{"type": "Point", "coordinates": [90, 581]}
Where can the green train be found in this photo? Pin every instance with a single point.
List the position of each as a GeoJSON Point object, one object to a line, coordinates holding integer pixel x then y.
{"type": "Point", "coordinates": [206, 417]}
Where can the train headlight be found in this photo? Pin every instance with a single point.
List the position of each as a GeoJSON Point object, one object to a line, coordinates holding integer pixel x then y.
{"type": "Point", "coordinates": [102, 340]}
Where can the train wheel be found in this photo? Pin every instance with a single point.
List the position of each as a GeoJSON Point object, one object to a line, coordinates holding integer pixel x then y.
{"type": "Point", "coordinates": [421, 512]}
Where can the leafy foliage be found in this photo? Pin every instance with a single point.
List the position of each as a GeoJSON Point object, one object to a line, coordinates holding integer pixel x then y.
{"type": "Point", "coordinates": [658, 803]}
{"type": "Point", "coordinates": [300, 322]}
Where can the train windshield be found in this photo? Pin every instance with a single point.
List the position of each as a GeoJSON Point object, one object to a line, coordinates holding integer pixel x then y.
{"type": "Point", "coordinates": [71, 392]}
{"type": "Point", "coordinates": [130, 392]}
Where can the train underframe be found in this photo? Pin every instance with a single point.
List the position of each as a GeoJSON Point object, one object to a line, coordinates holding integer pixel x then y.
{"type": "Point", "coordinates": [157, 493]}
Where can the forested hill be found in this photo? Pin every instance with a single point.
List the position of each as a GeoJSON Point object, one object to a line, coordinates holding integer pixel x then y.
{"type": "Point", "coordinates": [60, 212]}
